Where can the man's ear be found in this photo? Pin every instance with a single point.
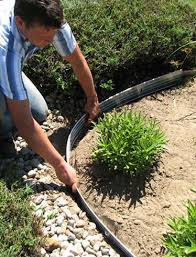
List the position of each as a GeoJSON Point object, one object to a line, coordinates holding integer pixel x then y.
{"type": "Point", "coordinates": [20, 23]}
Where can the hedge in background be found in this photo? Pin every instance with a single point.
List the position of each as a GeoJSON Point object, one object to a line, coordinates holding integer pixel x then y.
{"type": "Point", "coordinates": [116, 35]}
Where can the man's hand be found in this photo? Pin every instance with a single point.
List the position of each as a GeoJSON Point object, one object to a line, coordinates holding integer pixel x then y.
{"type": "Point", "coordinates": [92, 109]}
{"type": "Point", "coordinates": [67, 174]}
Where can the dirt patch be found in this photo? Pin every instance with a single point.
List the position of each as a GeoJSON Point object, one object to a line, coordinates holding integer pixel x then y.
{"type": "Point", "coordinates": [137, 210]}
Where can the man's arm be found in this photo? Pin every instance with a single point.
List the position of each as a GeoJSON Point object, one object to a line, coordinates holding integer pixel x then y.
{"type": "Point", "coordinates": [83, 73]}
{"type": "Point", "coordinates": [37, 139]}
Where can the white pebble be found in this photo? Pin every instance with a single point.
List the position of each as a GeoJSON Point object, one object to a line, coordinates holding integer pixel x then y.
{"type": "Point", "coordinates": [92, 226]}
{"type": "Point", "coordinates": [105, 251]}
{"type": "Point", "coordinates": [39, 199]}
{"type": "Point", "coordinates": [60, 220]}
{"type": "Point", "coordinates": [85, 244]}
{"type": "Point", "coordinates": [43, 251]}
{"type": "Point", "coordinates": [55, 254]}
{"type": "Point", "coordinates": [63, 238]}
{"type": "Point", "coordinates": [67, 213]}
{"type": "Point", "coordinates": [85, 234]}
{"type": "Point", "coordinates": [82, 215]}
{"type": "Point", "coordinates": [90, 250]}
{"type": "Point", "coordinates": [40, 166]}
{"type": "Point", "coordinates": [77, 249]}
{"type": "Point", "coordinates": [39, 213]}
{"type": "Point", "coordinates": [43, 204]}
{"type": "Point", "coordinates": [59, 230]}
{"type": "Point", "coordinates": [60, 118]}
{"type": "Point", "coordinates": [71, 222]}
{"type": "Point", "coordinates": [80, 223]}
{"type": "Point", "coordinates": [96, 246]}
{"type": "Point", "coordinates": [32, 173]}
{"type": "Point", "coordinates": [61, 202]}
{"type": "Point", "coordinates": [75, 209]}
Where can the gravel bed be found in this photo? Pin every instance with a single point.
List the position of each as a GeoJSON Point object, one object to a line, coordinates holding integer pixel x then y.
{"type": "Point", "coordinates": [68, 231]}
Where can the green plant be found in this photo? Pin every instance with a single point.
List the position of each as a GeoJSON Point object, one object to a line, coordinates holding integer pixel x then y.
{"type": "Point", "coordinates": [51, 216]}
{"type": "Point", "coordinates": [128, 141]}
{"type": "Point", "coordinates": [190, 43]}
{"type": "Point", "coordinates": [18, 226]}
{"type": "Point", "coordinates": [117, 36]}
{"type": "Point", "coordinates": [181, 242]}
{"type": "Point", "coordinates": [107, 85]}
{"type": "Point", "coordinates": [192, 3]}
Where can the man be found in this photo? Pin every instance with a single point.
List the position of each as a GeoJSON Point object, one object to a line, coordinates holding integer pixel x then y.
{"type": "Point", "coordinates": [25, 27]}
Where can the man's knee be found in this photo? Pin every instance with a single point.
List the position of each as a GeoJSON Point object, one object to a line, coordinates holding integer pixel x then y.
{"type": "Point", "coordinates": [40, 114]}
{"type": "Point", "coordinates": [39, 107]}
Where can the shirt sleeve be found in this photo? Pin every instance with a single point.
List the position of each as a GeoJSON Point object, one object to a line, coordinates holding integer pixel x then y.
{"type": "Point", "coordinates": [11, 82]}
{"type": "Point", "coordinates": [64, 40]}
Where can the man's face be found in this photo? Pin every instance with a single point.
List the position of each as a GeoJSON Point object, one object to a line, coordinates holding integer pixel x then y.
{"type": "Point", "coordinates": [37, 34]}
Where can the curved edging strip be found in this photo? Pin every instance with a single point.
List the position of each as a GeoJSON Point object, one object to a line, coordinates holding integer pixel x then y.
{"type": "Point", "coordinates": [122, 98]}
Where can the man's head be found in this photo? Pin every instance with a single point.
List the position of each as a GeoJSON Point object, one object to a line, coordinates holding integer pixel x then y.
{"type": "Point", "coordinates": [38, 20]}
{"type": "Point", "coordinates": [47, 13]}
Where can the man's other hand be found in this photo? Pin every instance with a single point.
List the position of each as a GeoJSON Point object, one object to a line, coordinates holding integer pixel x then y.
{"type": "Point", "coordinates": [67, 175]}
{"type": "Point", "coordinates": [92, 109]}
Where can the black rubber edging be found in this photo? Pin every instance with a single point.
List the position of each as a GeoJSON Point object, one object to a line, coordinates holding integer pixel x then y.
{"type": "Point", "coordinates": [120, 99]}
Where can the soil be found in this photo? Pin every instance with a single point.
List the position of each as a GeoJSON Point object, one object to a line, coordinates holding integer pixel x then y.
{"type": "Point", "coordinates": [137, 210]}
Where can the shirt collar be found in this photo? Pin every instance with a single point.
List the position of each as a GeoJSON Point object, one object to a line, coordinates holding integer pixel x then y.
{"type": "Point", "coordinates": [17, 33]}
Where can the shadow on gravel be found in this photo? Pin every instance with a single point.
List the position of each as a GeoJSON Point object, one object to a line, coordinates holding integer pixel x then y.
{"type": "Point", "coordinates": [59, 138]}
{"type": "Point", "coordinates": [14, 180]}
{"type": "Point", "coordinates": [9, 175]}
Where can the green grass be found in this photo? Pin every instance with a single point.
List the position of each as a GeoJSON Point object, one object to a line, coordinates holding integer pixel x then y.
{"type": "Point", "coordinates": [128, 142]}
{"type": "Point", "coordinates": [18, 226]}
{"type": "Point", "coordinates": [181, 242]}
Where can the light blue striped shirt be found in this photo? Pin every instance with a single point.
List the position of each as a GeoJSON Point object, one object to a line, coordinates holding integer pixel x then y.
{"type": "Point", "coordinates": [15, 51]}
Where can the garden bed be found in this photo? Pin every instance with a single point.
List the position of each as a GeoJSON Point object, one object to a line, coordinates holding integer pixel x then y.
{"type": "Point", "coordinates": [137, 210]}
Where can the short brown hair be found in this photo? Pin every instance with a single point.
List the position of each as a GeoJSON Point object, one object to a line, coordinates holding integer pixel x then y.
{"type": "Point", "coordinates": [48, 13]}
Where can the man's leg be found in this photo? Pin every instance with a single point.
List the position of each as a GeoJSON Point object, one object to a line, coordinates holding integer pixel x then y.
{"type": "Point", "coordinates": [7, 147]}
{"type": "Point", "coordinates": [39, 107]}
{"type": "Point", "coordinates": [6, 123]}
{"type": "Point", "coordinates": [39, 111]}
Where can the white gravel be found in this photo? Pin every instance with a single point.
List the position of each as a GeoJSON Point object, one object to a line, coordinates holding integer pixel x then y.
{"type": "Point", "coordinates": [70, 233]}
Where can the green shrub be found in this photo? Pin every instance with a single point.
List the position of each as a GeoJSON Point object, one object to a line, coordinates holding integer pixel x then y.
{"type": "Point", "coordinates": [128, 142]}
{"type": "Point", "coordinates": [118, 36]}
{"type": "Point", "coordinates": [181, 242]}
{"type": "Point", "coordinates": [192, 3]}
{"type": "Point", "coordinates": [18, 226]}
